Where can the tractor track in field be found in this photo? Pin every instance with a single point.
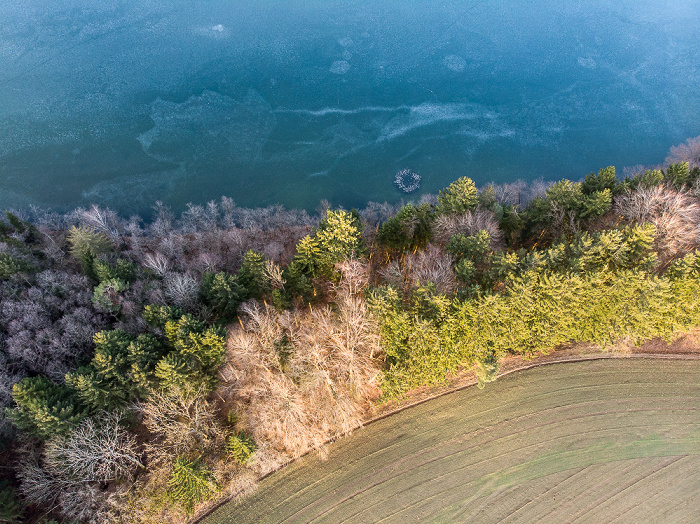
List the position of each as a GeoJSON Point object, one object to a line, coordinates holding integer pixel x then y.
{"type": "Point", "coordinates": [427, 457]}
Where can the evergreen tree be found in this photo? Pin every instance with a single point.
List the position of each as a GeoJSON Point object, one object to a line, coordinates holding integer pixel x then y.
{"type": "Point", "coordinates": [460, 196]}
{"type": "Point", "coordinates": [223, 293]}
{"type": "Point", "coordinates": [240, 446]}
{"type": "Point", "coordinates": [409, 230]}
{"type": "Point", "coordinates": [45, 409]}
{"type": "Point", "coordinates": [105, 383]}
{"type": "Point", "coordinates": [191, 483]}
{"type": "Point", "coordinates": [11, 266]}
{"type": "Point", "coordinates": [252, 276]}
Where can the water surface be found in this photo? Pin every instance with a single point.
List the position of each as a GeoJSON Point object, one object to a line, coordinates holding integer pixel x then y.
{"type": "Point", "coordinates": [127, 102]}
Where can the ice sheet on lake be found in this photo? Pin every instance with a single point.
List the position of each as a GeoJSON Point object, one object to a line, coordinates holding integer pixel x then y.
{"type": "Point", "coordinates": [207, 125]}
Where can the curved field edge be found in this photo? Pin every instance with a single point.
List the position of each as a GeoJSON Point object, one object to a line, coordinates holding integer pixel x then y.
{"type": "Point", "coordinates": [587, 440]}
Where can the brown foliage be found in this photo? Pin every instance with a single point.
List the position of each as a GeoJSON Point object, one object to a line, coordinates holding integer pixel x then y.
{"type": "Point", "coordinates": [468, 224]}
{"type": "Point", "coordinates": [430, 265]}
{"type": "Point", "coordinates": [298, 379]}
{"type": "Point", "coordinates": [687, 152]}
{"type": "Point", "coordinates": [676, 215]}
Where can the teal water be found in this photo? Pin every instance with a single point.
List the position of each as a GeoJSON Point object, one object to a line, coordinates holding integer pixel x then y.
{"type": "Point", "coordinates": [127, 102]}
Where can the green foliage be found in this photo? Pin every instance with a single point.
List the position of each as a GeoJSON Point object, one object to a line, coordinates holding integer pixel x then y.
{"type": "Point", "coordinates": [105, 383]}
{"type": "Point", "coordinates": [487, 369]}
{"type": "Point", "coordinates": [475, 248]}
{"type": "Point", "coordinates": [143, 354]}
{"type": "Point", "coordinates": [614, 249]}
{"type": "Point", "coordinates": [223, 293]}
{"type": "Point", "coordinates": [460, 196]}
{"type": "Point", "coordinates": [241, 447]}
{"type": "Point", "coordinates": [338, 236]}
{"type": "Point", "coordinates": [596, 204]}
{"type": "Point", "coordinates": [107, 295]}
{"type": "Point", "coordinates": [11, 266]}
{"type": "Point", "coordinates": [122, 369]}
{"type": "Point", "coordinates": [487, 197]}
{"type": "Point", "coordinates": [537, 311]}
{"type": "Point", "coordinates": [84, 240]}
{"type": "Point", "coordinates": [409, 230]}
{"type": "Point", "coordinates": [298, 282]}
{"type": "Point", "coordinates": [196, 352]}
{"type": "Point", "coordinates": [427, 304]}
{"type": "Point", "coordinates": [45, 409]}
{"type": "Point", "coordinates": [122, 270]}
{"type": "Point", "coordinates": [650, 178]}
{"type": "Point", "coordinates": [510, 223]}
{"type": "Point", "coordinates": [687, 267]}
{"type": "Point", "coordinates": [11, 510]}
{"type": "Point", "coordinates": [472, 256]}
{"type": "Point", "coordinates": [17, 232]}
{"type": "Point", "coordinates": [569, 202]}
{"type": "Point", "coordinates": [159, 316]}
{"type": "Point", "coordinates": [252, 276]}
{"type": "Point", "coordinates": [191, 483]}
{"type": "Point", "coordinates": [678, 174]}
{"type": "Point", "coordinates": [605, 179]}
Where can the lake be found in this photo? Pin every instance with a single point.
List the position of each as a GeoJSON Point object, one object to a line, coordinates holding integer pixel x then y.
{"type": "Point", "coordinates": [127, 102]}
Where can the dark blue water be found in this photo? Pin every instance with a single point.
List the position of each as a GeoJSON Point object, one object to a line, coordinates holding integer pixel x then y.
{"type": "Point", "coordinates": [124, 103]}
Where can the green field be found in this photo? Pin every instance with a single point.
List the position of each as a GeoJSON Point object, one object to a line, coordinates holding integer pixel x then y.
{"type": "Point", "coordinates": [598, 441]}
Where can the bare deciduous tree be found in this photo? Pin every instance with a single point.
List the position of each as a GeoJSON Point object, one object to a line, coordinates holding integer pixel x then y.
{"type": "Point", "coordinates": [676, 215]}
{"type": "Point", "coordinates": [298, 379]}
{"type": "Point", "coordinates": [181, 420]}
{"type": "Point", "coordinates": [98, 450]}
{"type": "Point", "coordinates": [687, 152]}
{"type": "Point", "coordinates": [182, 289]}
{"type": "Point", "coordinates": [469, 224]}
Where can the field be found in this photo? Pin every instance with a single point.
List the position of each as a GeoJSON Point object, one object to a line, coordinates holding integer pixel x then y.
{"type": "Point", "coordinates": [599, 441]}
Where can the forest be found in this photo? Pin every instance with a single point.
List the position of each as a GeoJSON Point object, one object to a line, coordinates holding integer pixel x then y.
{"type": "Point", "coordinates": [149, 369]}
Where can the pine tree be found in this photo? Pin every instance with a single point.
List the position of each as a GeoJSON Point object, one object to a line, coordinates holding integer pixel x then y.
{"type": "Point", "coordinates": [460, 196]}
{"type": "Point", "coordinates": [45, 409]}
{"type": "Point", "coordinates": [252, 276]}
{"type": "Point", "coordinates": [105, 383]}
{"type": "Point", "coordinates": [191, 483]}
{"type": "Point", "coordinates": [223, 293]}
{"type": "Point", "coordinates": [241, 447]}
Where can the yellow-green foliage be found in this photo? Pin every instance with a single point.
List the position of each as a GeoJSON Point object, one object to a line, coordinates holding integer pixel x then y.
{"type": "Point", "coordinates": [337, 237]}
{"type": "Point", "coordinates": [240, 447]}
{"type": "Point", "coordinates": [538, 311]}
{"type": "Point", "coordinates": [84, 240]}
{"type": "Point", "coordinates": [191, 483]}
{"type": "Point", "coordinates": [458, 197]}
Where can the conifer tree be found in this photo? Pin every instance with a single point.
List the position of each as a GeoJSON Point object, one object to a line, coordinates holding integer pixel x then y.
{"type": "Point", "coordinates": [460, 196]}
{"type": "Point", "coordinates": [223, 293]}
{"type": "Point", "coordinates": [191, 483]}
{"type": "Point", "coordinates": [45, 409]}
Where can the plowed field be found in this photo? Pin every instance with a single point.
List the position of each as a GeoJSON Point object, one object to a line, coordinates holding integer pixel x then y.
{"type": "Point", "coordinates": [597, 441]}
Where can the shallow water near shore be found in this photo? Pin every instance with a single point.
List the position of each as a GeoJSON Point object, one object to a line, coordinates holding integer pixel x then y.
{"type": "Point", "coordinates": [125, 103]}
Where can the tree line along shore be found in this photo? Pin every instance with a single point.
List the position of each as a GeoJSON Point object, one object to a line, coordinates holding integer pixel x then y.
{"type": "Point", "coordinates": [148, 370]}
